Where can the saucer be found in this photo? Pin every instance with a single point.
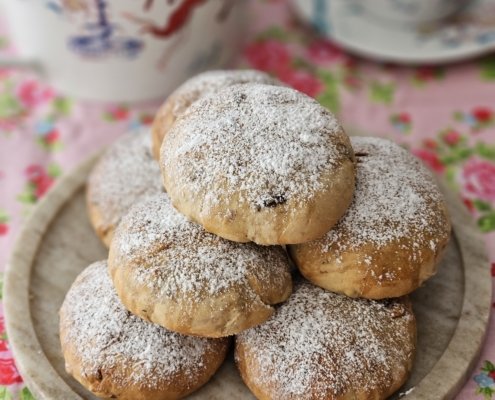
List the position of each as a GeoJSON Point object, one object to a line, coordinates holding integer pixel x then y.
{"type": "Point", "coordinates": [467, 34]}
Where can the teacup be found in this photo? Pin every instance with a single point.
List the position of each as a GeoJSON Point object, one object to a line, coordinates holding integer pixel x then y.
{"type": "Point", "coordinates": [123, 50]}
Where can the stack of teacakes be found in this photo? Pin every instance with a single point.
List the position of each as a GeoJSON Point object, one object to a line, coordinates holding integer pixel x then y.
{"type": "Point", "coordinates": [239, 176]}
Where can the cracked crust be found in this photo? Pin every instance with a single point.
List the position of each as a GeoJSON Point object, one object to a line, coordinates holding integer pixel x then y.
{"type": "Point", "coordinates": [200, 85]}
{"type": "Point", "coordinates": [259, 163]}
{"type": "Point", "coordinates": [393, 235]}
{"type": "Point", "coordinates": [321, 345]}
{"type": "Point", "coordinates": [115, 354]}
{"type": "Point", "coordinates": [170, 271]}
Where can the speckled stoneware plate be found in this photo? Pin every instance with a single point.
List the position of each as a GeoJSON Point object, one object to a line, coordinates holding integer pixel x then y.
{"type": "Point", "coordinates": [57, 243]}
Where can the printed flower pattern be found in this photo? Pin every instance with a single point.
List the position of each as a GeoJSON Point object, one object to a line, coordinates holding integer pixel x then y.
{"type": "Point", "coordinates": [382, 92]}
{"type": "Point", "coordinates": [431, 159]}
{"type": "Point", "coordinates": [477, 119]}
{"type": "Point", "coordinates": [301, 80]}
{"type": "Point", "coordinates": [451, 137]}
{"type": "Point", "coordinates": [42, 129]}
{"type": "Point", "coordinates": [274, 57]}
{"type": "Point", "coordinates": [401, 122]}
{"type": "Point", "coordinates": [17, 98]}
{"type": "Point", "coordinates": [486, 380]}
{"type": "Point", "coordinates": [4, 223]}
{"type": "Point", "coordinates": [323, 51]}
{"type": "Point", "coordinates": [268, 55]}
{"type": "Point", "coordinates": [12, 112]}
{"type": "Point", "coordinates": [116, 113]}
{"type": "Point", "coordinates": [425, 74]}
{"type": "Point", "coordinates": [479, 179]}
{"type": "Point", "coordinates": [469, 168]}
{"type": "Point", "coordinates": [8, 372]}
{"type": "Point", "coordinates": [352, 78]}
{"type": "Point", "coordinates": [9, 375]}
{"type": "Point", "coordinates": [143, 119]}
{"type": "Point", "coordinates": [146, 119]}
{"type": "Point", "coordinates": [487, 68]}
{"type": "Point", "coordinates": [48, 135]}
{"type": "Point", "coordinates": [39, 180]}
{"type": "Point", "coordinates": [32, 94]}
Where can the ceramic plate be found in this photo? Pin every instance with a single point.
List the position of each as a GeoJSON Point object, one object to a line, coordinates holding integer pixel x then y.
{"type": "Point", "coordinates": [469, 33]}
{"type": "Point", "coordinates": [57, 243]}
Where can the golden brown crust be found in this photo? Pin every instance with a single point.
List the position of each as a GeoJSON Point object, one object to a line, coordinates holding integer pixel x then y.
{"type": "Point", "coordinates": [393, 272]}
{"type": "Point", "coordinates": [117, 355]}
{"type": "Point", "coordinates": [216, 316]}
{"type": "Point", "coordinates": [104, 387]}
{"type": "Point", "coordinates": [393, 235]}
{"type": "Point", "coordinates": [284, 224]}
{"type": "Point", "coordinates": [164, 119]}
{"type": "Point", "coordinates": [200, 85]}
{"type": "Point", "coordinates": [168, 270]}
{"type": "Point", "coordinates": [104, 230]}
{"type": "Point", "coordinates": [248, 369]}
{"type": "Point", "coordinates": [324, 346]}
{"type": "Point", "coordinates": [292, 181]}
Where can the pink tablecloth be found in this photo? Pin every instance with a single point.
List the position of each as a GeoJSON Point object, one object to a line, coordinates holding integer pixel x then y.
{"type": "Point", "coordinates": [446, 116]}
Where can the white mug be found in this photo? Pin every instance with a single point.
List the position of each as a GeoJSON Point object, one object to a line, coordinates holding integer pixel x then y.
{"type": "Point", "coordinates": [411, 11]}
{"type": "Point", "coordinates": [123, 50]}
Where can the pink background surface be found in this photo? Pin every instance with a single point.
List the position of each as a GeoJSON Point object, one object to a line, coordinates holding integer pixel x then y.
{"type": "Point", "coordinates": [445, 115]}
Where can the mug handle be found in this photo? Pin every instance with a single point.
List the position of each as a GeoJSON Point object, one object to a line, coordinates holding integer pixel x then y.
{"type": "Point", "coordinates": [21, 63]}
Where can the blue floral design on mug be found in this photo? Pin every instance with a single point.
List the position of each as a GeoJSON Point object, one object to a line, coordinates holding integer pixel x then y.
{"type": "Point", "coordinates": [99, 36]}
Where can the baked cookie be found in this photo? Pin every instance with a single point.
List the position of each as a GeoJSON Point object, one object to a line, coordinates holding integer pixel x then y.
{"type": "Point", "coordinates": [170, 271]}
{"type": "Point", "coordinates": [321, 345]}
{"type": "Point", "coordinates": [125, 173]}
{"type": "Point", "coordinates": [200, 85]}
{"type": "Point", "coordinates": [259, 163]}
{"type": "Point", "coordinates": [115, 354]}
{"type": "Point", "coordinates": [393, 235]}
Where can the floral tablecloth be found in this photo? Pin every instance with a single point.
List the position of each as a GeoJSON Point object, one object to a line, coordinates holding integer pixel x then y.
{"type": "Point", "coordinates": [445, 115]}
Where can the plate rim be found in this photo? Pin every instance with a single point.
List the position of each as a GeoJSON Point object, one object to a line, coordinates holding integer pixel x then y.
{"type": "Point", "coordinates": [410, 59]}
{"type": "Point", "coordinates": [469, 334]}
{"type": "Point", "coordinates": [28, 354]}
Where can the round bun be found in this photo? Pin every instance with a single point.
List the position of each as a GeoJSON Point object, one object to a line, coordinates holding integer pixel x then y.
{"type": "Point", "coordinates": [393, 235]}
{"type": "Point", "coordinates": [170, 271]}
{"type": "Point", "coordinates": [259, 163]}
{"type": "Point", "coordinates": [115, 354]}
{"type": "Point", "coordinates": [321, 345]}
{"type": "Point", "coordinates": [125, 173]}
{"type": "Point", "coordinates": [200, 85]}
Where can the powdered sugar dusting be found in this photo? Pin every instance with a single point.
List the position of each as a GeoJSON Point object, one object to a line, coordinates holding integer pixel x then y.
{"type": "Point", "coordinates": [124, 174]}
{"type": "Point", "coordinates": [322, 345]}
{"type": "Point", "coordinates": [210, 82]}
{"type": "Point", "coordinates": [110, 340]}
{"type": "Point", "coordinates": [396, 197]}
{"type": "Point", "coordinates": [191, 262]}
{"type": "Point", "coordinates": [264, 144]}
{"type": "Point", "coordinates": [407, 392]}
